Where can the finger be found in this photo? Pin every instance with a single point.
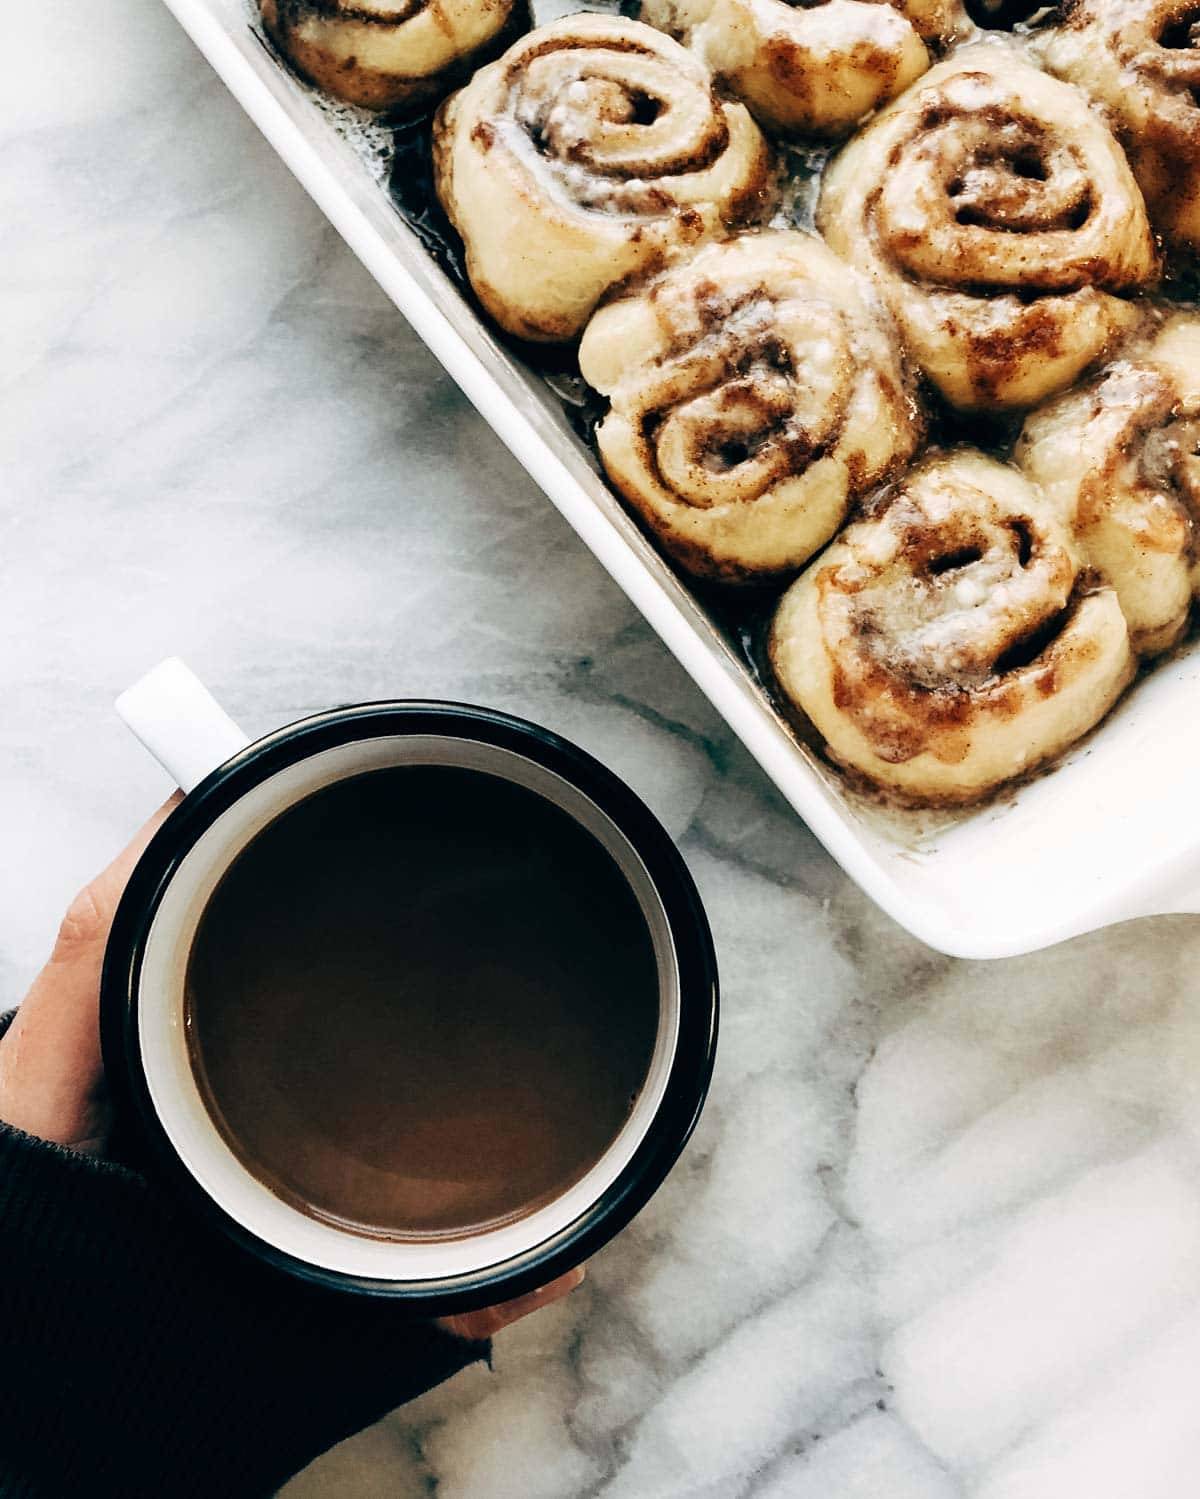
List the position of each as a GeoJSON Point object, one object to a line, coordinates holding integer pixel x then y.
{"type": "Point", "coordinates": [476, 1326]}
{"type": "Point", "coordinates": [51, 1076]}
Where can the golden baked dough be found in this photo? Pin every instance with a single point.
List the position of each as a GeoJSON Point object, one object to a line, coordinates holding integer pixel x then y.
{"type": "Point", "coordinates": [594, 149]}
{"type": "Point", "coordinates": [999, 217]}
{"type": "Point", "coordinates": [947, 643]}
{"type": "Point", "coordinates": [1121, 460]}
{"type": "Point", "coordinates": [809, 69]}
{"type": "Point", "coordinates": [1141, 60]}
{"type": "Point", "coordinates": [755, 391]}
{"type": "Point", "coordinates": [389, 54]}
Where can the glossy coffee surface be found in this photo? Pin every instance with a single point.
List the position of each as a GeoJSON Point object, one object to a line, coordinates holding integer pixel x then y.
{"type": "Point", "coordinates": [421, 1003]}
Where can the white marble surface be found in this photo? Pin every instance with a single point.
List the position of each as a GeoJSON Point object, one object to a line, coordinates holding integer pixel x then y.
{"type": "Point", "coordinates": [939, 1232]}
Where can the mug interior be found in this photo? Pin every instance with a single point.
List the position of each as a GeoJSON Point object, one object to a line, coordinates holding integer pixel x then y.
{"type": "Point", "coordinates": [171, 1081]}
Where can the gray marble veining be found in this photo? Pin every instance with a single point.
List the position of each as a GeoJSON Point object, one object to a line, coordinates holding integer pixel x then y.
{"type": "Point", "coordinates": [939, 1232]}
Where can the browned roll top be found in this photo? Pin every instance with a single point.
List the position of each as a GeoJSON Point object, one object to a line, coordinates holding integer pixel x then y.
{"type": "Point", "coordinates": [950, 640]}
{"type": "Point", "coordinates": [1002, 223]}
{"type": "Point", "coordinates": [1141, 60]}
{"type": "Point", "coordinates": [389, 54]}
{"type": "Point", "coordinates": [755, 391]}
{"type": "Point", "coordinates": [594, 150]}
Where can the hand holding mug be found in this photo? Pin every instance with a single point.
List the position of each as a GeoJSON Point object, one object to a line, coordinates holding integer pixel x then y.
{"type": "Point", "coordinates": [52, 1076]}
{"type": "Point", "coordinates": [218, 1327]}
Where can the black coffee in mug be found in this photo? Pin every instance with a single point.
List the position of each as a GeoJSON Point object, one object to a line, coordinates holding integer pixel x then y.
{"type": "Point", "coordinates": [421, 1003]}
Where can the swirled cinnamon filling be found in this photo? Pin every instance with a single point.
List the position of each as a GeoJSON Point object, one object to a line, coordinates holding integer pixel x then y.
{"type": "Point", "coordinates": [595, 151]}
{"type": "Point", "coordinates": [1001, 222]}
{"type": "Point", "coordinates": [1120, 457]}
{"type": "Point", "coordinates": [951, 640]}
{"type": "Point", "coordinates": [1140, 59]}
{"type": "Point", "coordinates": [754, 390]}
{"type": "Point", "coordinates": [1171, 459]}
{"type": "Point", "coordinates": [756, 408]}
{"type": "Point", "coordinates": [1016, 182]}
{"type": "Point", "coordinates": [955, 605]}
{"type": "Point", "coordinates": [612, 121]}
{"type": "Point", "coordinates": [1181, 33]}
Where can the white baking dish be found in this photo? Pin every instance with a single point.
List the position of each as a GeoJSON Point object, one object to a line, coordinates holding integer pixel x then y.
{"type": "Point", "coordinates": [1107, 835]}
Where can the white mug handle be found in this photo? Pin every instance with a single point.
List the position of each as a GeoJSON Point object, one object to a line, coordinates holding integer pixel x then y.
{"type": "Point", "coordinates": [180, 722]}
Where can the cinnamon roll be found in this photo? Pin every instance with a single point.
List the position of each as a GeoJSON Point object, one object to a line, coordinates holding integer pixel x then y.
{"type": "Point", "coordinates": [808, 69]}
{"type": "Point", "coordinates": [1141, 60]}
{"type": "Point", "coordinates": [1121, 459]}
{"type": "Point", "coordinates": [594, 149]}
{"type": "Point", "coordinates": [949, 642]}
{"type": "Point", "coordinates": [1002, 223]}
{"type": "Point", "coordinates": [755, 391]}
{"type": "Point", "coordinates": [389, 54]}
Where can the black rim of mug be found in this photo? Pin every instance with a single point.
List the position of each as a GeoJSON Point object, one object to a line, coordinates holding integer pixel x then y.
{"type": "Point", "coordinates": [691, 1065]}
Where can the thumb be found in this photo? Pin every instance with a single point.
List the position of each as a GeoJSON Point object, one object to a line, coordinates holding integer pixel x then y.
{"type": "Point", "coordinates": [51, 1075]}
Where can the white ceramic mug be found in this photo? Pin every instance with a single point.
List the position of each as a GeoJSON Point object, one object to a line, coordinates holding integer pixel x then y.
{"type": "Point", "coordinates": [234, 788]}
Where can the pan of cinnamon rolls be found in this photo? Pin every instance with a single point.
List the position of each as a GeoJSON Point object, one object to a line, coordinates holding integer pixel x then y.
{"type": "Point", "coordinates": [887, 319]}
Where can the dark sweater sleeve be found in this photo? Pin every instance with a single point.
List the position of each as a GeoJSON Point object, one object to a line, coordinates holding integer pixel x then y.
{"type": "Point", "coordinates": [141, 1355]}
